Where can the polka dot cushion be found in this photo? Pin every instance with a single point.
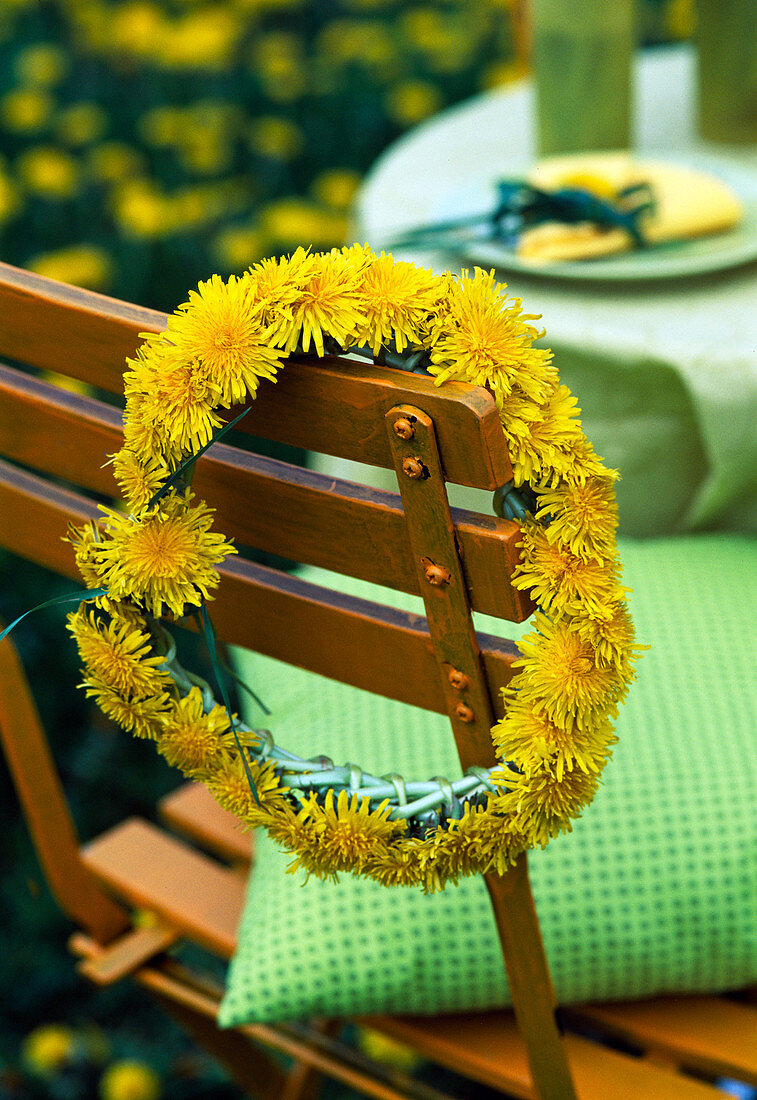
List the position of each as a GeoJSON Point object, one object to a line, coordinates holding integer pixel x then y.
{"type": "Point", "coordinates": [654, 890]}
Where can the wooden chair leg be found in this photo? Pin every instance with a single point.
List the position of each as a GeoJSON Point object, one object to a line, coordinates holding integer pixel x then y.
{"type": "Point", "coordinates": [534, 1000]}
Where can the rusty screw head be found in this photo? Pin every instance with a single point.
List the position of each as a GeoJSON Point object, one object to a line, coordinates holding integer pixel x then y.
{"type": "Point", "coordinates": [404, 428]}
{"type": "Point", "coordinates": [458, 679]}
{"type": "Point", "coordinates": [465, 714]}
{"type": "Point", "coordinates": [437, 575]}
{"type": "Point", "coordinates": [413, 467]}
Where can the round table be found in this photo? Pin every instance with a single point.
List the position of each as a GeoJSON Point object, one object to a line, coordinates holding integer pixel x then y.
{"type": "Point", "coordinates": [666, 370]}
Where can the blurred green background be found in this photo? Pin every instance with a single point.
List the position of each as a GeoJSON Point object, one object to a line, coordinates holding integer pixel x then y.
{"type": "Point", "coordinates": [145, 144]}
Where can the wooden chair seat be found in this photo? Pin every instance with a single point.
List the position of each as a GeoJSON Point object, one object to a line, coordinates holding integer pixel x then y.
{"type": "Point", "coordinates": [145, 866]}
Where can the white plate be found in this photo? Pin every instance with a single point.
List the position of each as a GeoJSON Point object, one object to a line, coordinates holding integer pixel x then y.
{"type": "Point", "coordinates": [675, 259]}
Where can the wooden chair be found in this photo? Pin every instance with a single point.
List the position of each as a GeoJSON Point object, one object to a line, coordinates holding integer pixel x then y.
{"type": "Point", "coordinates": [191, 873]}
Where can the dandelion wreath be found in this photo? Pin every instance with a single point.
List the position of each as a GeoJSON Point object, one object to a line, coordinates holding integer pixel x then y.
{"type": "Point", "coordinates": [158, 559]}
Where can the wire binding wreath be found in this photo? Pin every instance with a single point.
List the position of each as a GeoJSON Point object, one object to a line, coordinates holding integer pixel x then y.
{"type": "Point", "coordinates": [160, 558]}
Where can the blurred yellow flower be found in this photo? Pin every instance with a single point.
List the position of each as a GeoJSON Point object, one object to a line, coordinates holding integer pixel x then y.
{"type": "Point", "coordinates": [113, 161]}
{"type": "Point", "coordinates": [238, 246]}
{"type": "Point", "coordinates": [43, 63]}
{"type": "Point", "coordinates": [204, 39]}
{"type": "Point", "coordinates": [446, 46]}
{"type": "Point", "coordinates": [139, 209]}
{"type": "Point", "coordinates": [367, 42]}
{"type": "Point", "coordinates": [277, 60]}
{"type": "Point", "coordinates": [295, 221]}
{"type": "Point", "coordinates": [26, 109]}
{"type": "Point", "coordinates": [136, 27]}
{"type": "Point", "coordinates": [47, 1048]}
{"type": "Point", "coordinates": [264, 6]}
{"type": "Point", "coordinates": [163, 125]}
{"type": "Point", "coordinates": [129, 1080]}
{"type": "Point", "coordinates": [49, 172]}
{"type": "Point", "coordinates": [9, 198]}
{"type": "Point", "coordinates": [275, 137]}
{"type": "Point", "coordinates": [81, 123]}
{"type": "Point", "coordinates": [205, 156]}
{"type": "Point", "coordinates": [335, 187]}
{"type": "Point", "coordinates": [84, 265]}
{"type": "Point", "coordinates": [381, 1047]}
{"type": "Point", "coordinates": [412, 100]}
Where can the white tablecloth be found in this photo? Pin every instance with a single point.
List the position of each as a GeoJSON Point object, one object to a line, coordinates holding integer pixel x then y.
{"type": "Point", "coordinates": [666, 372]}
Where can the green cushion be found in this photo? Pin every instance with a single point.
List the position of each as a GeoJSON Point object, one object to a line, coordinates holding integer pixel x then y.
{"type": "Point", "coordinates": [654, 890]}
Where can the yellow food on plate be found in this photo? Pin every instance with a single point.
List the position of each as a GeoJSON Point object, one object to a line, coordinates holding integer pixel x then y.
{"type": "Point", "coordinates": [688, 203]}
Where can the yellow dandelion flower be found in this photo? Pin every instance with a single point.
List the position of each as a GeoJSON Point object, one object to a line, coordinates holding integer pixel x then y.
{"type": "Point", "coordinates": [85, 541]}
{"type": "Point", "coordinates": [220, 330]}
{"type": "Point", "coordinates": [546, 450]}
{"type": "Point", "coordinates": [43, 63]}
{"type": "Point", "coordinates": [487, 340]}
{"type": "Point", "coordinates": [402, 867]}
{"type": "Point", "coordinates": [130, 1080]}
{"type": "Point", "coordinates": [26, 109]}
{"type": "Point", "coordinates": [119, 654]}
{"type": "Point", "coordinates": [481, 840]}
{"type": "Point", "coordinates": [582, 462]}
{"type": "Point", "coordinates": [144, 433]}
{"type": "Point", "coordinates": [398, 298]}
{"type": "Point", "coordinates": [184, 400]}
{"type": "Point", "coordinates": [611, 637]}
{"type": "Point", "coordinates": [558, 669]}
{"type": "Point", "coordinates": [230, 787]}
{"type": "Point", "coordinates": [278, 283]}
{"type": "Point", "coordinates": [49, 172]}
{"type": "Point", "coordinates": [543, 806]}
{"type": "Point", "coordinates": [561, 582]}
{"type": "Point", "coordinates": [83, 265]}
{"type": "Point", "coordinates": [410, 101]}
{"type": "Point", "coordinates": [336, 187]}
{"type": "Point", "coordinates": [46, 1049]}
{"type": "Point", "coordinates": [582, 515]}
{"type": "Point", "coordinates": [528, 738]}
{"type": "Point", "coordinates": [166, 560]}
{"type": "Point", "coordinates": [330, 303]}
{"type": "Point", "coordinates": [142, 717]}
{"type": "Point", "coordinates": [138, 479]}
{"type": "Point", "coordinates": [349, 833]}
{"type": "Point", "coordinates": [191, 739]}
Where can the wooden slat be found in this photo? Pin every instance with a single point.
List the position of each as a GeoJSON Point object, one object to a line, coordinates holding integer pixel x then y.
{"type": "Point", "coordinates": [711, 1034]}
{"type": "Point", "coordinates": [367, 645]}
{"type": "Point", "coordinates": [352, 529]}
{"type": "Point", "coordinates": [488, 1048]}
{"type": "Point", "coordinates": [63, 328]}
{"type": "Point", "coordinates": [344, 638]}
{"type": "Point", "coordinates": [141, 864]}
{"type": "Point", "coordinates": [337, 406]}
{"type": "Point", "coordinates": [297, 514]}
{"type": "Point", "coordinates": [128, 953]}
{"type": "Point", "coordinates": [334, 406]}
{"type": "Point", "coordinates": [192, 811]}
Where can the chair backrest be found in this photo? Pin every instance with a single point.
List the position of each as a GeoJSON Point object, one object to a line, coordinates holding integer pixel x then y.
{"type": "Point", "coordinates": [332, 406]}
{"type": "Point", "coordinates": [52, 447]}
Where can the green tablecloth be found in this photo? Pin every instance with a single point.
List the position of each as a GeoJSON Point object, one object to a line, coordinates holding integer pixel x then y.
{"type": "Point", "coordinates": [665, 371]}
